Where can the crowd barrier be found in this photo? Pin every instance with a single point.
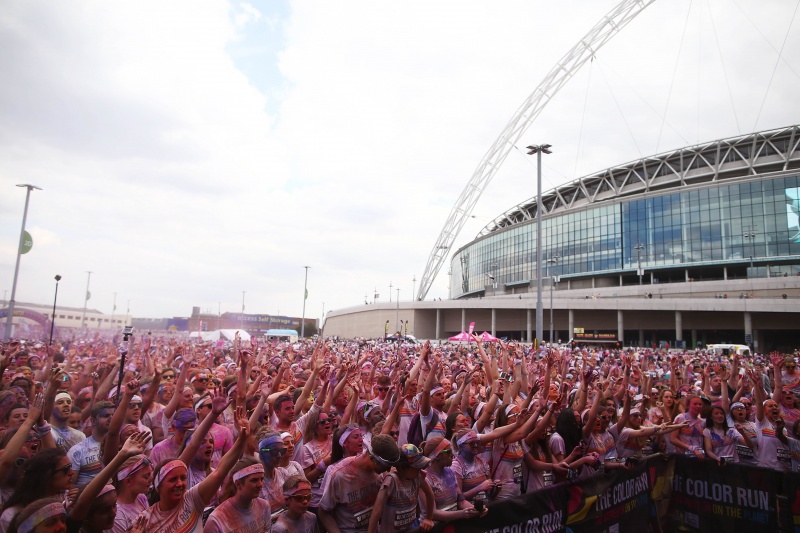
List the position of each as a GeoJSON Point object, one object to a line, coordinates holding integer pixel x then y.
{"type": "Point", "coordinates": [662, 494]}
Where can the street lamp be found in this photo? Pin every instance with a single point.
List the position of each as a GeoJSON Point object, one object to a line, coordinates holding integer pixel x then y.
{"type": "Point", "coordinates": [639, 247]}
{"type": "Point", "coordinates": [86, 299]}
{"type": "Point", "coordinates": [53, 321]}
{"type": "Point", "coordinates": [305, 297]}
{"type": "Point", "coordinates": [552, 261]}
{"type": "Point", "coordinates": [241, 317]}
{"type": "Point", "coordinates": [414, 288]}
{"type": "Point", "coordinates": [538, 150]}
{"type": "Point", "coordinates": [390, 291]}
{"type": "Point", "coordinates": [10, 317]}
{"type": "Point", "coordinates": [397, 317]}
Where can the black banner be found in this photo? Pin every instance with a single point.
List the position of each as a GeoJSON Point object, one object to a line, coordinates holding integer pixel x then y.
{"type": "Point", "coordinates": [662, 494]}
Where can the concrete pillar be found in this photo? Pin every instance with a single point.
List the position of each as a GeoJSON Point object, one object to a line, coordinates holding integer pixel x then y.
{"type": "Point", "coordinates": [620, 280]}
{"type": "Point", "coordinates": [571, 322]}
{"type": "Point", "coordinates": [748, 323]}
{"type": "Point", "coordinates": [528, 328]}
{"type": "Point", "coordinates": [463, 319]}
{"type": "Point", "coordinates": [620, 327]}
{"type": "Point", "coordinates": [438, 324]}
{"type": "Point", "coordinates": [494, 321]}
{"type": "Point", "coordinates": [694, 338]}
{"type": "Point", "coordinates": [686, 274]}
{"type": "Point", "coordinates": [641, 337]}
{"type": "Point", "coordinates": [725, 273]}
{"type": "Point", "coordinates": [678, 325]}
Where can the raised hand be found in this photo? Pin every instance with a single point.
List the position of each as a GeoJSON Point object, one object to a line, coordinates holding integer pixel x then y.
{"type": "Point", "coordinates": [35, 409]}
{"type": "Point", "coordinates": [220, 402]}
{"type": "Point", "coordinates": [136, 443]}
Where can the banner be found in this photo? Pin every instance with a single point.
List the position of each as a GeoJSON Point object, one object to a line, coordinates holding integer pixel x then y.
{"type": "Point", "coordinates": [706, 496]}
{"type": "Point", "coordinates": [542, 511]}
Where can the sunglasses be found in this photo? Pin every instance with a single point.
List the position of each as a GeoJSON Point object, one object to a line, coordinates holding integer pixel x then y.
{"type": "Point", "coordinates": [206, 406]}
{"type": "Point", "coordinates": [474, 444]}
{"type": "Point", "coordinates": [136, 405]}
{"type": "Point", "coordinates": [145, 461]}
{"type": "Point", "coordinates": [202, 380]}
{"type": "Point", "coordinates": [273, 451]}
{"type": "Point", "coordinates": [66, 470]}
{"type": "Point", "coordinates": [168, 376]}
{"type": "Point", "coordinates": [300, 498]}
{"type": "Point", "coordinates": [394, 433]}
{"type": "Point", "coordinates": [323, 421]}
{"type": "Point", "coordinates": [605, 417]}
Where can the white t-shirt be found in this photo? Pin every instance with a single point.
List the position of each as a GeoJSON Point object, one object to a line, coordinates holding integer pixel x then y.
{"type": "Point", "coordinates": [227, 518]}
{"type": "Point", "coordinates": [186, 517]}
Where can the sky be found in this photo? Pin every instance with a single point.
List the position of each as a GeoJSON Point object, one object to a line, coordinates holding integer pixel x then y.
{"type": "Point", "coordinates": [190, 151]}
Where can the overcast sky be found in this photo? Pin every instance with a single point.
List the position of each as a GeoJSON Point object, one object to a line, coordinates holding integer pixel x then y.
{"type": "Point", "coordinates": [189, 151]}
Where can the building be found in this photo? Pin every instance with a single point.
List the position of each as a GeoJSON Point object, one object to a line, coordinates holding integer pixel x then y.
{"type": "Point", "coordinates": [33, 320]}
{"type": "Point", "coordinates": [694, 245]}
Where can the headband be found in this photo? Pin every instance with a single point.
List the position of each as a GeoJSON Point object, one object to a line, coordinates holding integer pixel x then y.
{"type": "Point", "coordinates": [736, 405]}
{"type": "Point", "coordinates": [270, 440]}
{"type": "Point", "coordinates": [479, 410]}
{"type": "Point", "coordinates": [302, 485]}
{"type": "Point", "coordinates": [136, 398]}
{"type": "Point", "coordinates": [509, 407]}
{"type": "Point", "coordinates": [125, 472]}
{"type": "Point", "coordinates": [257, 468]}
{"type": "Point", "coordinates": [442, 445]}
{"type": "Point", "coordinates": [199, 402]}
{"type": "Point", "coordinates": [435, 390]}
{"type": "Point", "coordinates": [380, 459]}
{"type": "Point", "coordinates": [286, 434]}
{"type": "Point", "coordinates": [61, 395]}
{"type": "Point", "coordinates": [368, 408]}
{"type": "Point", "coordinates": [108, 488]}
{"type": "Point", "coordinates": [346, 434]}
{"type": "Point", "coordinates": [45, 513]}
{"type": "Point", "coordinates": [166, 469]}
{"type": "Point", "coordinates": [469, 436]}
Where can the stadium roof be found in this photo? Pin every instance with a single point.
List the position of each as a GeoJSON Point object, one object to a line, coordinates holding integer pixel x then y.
{"type": "Point", "coordinates": [735, 157]}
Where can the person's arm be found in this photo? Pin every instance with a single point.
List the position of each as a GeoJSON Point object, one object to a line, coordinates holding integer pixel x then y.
{"type": "Point", "coordinates": [218, 405]}
{"type": "Point", "coordinates": [111, 446]}
{"type": "Point", "coordinates": [329, 522]}
{"type": "Point", "coordinates": [341, 382]}
{"type": "Point", "coordinates": [626, 412]}
{"type": "Point", "coordinates": [758, 391]}
{"type": "Point", "coordinates": [426, 524]}
{"type": "Point", "coordinates": [709, 449]}
{"type": "Point", "coordinates": [777, 365]}
{"type": "Point", "coordinates": [491, 405]}
{"type": "Point", "coordinates": [351, 407]}
{"type": "Point", "coordinates": [207, 488]}
{"type": "Point", "coordinates": [542, 425]}
{"type": "Point", "coordinates": [309, 385]}
{"type": "Point", "coordinates": [455, 401]}
{"type": "Point", "coordinates": [377, 509]}
{"type": "Point", "coordinates": [726, 403]}
{"type": "Point", "coordinates": [745, 440]}
{"type": "Point", "coordinates": [592, 416]}
{"type": "Point", "coordinates": [674, 438]}
{"type": "Point", "coordinates": [394, 415]}
{"type": "Point", "coordinates": [106, 383]}
{"type": "Point", "coordinates": [733, 379]}
{"type": "Point", "coordinates": [150, 394]}
{"type": "Point", "coordinates": [177, 394]}
{"type": "Point", "coordinates": [426, 348]}
{"type": "Point", "coordinates": [135, 445]}
{"type": "Point", "coordinates": [425, 397]}
{"type": "Point", "coordinates": [524, 429]}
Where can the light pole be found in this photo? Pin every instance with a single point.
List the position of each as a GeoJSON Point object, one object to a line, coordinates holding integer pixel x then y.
{"type": "Point", "coordinates": [639, 247]}
{"type": "Point", "coordinates": [241, 317]}
{"type": "Point", "coordinates": [305, 297]}
{"type": "Point", "coordinates": [113, 311]}
{"type": "Point", "coordinates": [390, 291]}
{"type": "Point", "coordinates": [414, 288]}
{"type": "Point", "coordinates": [538, 150]}
{"type": "Point", "coordinates": [53, 321]}
{"type": "Point", "coordinates": [10, 317]}
{"type": "Point", "coordinates": [552, 261]}
{"type": "Point", "coordinates": [749, 234]}
{"type": "Point", "coordinates": [86, 298]}
{"type": "Point", "coordinates": [397, 318]}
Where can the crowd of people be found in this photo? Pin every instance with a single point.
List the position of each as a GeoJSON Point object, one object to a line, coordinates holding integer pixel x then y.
{"type": "Point", "coordinates": [158, 434]}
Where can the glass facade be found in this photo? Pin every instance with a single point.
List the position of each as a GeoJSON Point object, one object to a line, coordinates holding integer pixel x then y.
{"type": "Point", "coordinates": [713, 225]}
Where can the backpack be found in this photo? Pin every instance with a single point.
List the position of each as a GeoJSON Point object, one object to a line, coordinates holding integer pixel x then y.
{"type": "Point", "coordinates": [415, 434]}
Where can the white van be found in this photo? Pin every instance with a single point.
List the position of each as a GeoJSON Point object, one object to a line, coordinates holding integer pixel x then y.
{"type": "Point", "coordinates": [729, 349]}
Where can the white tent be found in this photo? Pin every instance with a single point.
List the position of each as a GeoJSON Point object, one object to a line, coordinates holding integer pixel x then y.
{"type": "Point", "coordinates": [220, 334]}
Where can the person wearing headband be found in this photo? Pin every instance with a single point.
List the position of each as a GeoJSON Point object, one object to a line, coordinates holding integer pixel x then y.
{"type": "Point", "coordinates": [95, 508]}
{"type": "Point", "coordinates": [184, 420]}
{"type": "Point", "coordinates": [176, 508]}
{"type": "Point", "coordinates": [133, 480]}
{"type": "Point", "coordinates": [351, 486]}
{"type": "Point", "coordinates": [243, 510]}
{"type": "Point", "coordinates": [222, 436]}
{"type": "Point", "coordinates": [297, 518]}
{"type": "Point", "coordinates": [65, 436]}
{"type": "Point", "coordinates": [47, 514]}
{"type": "Point", "coordinates": [316, 457]}
{"type": "Point", "coordinates": [450, 501]}
{"type": "Point", "coordinates": [471, 471]}
{"type": "Point", "coordinates": [271, 451]}
{"type": "Point", "coordinates": [396, 505]}
{"type": "Point", "coordinates": [431, 404]}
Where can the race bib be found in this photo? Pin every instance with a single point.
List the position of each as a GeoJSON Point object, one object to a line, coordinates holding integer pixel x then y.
{"type": "Point", "coordinates": [549, 478]}
{"type": "Point", "coordinates": [784, 456]}
{"type": "Point", "coordinates": [745, 453]}
{"type": "Point", "coordinates": [517, 474]}
{"type": "Point", "coordinates": [405, 517]}
{"type": "Point", "coordinates": [362, 517]}
{"type": "Point", "coordinates": [452, 507]}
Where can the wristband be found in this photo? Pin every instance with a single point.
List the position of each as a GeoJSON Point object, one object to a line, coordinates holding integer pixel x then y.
{"type": "Point", "coordinates": [43, 430]}
{"type": "Point", "coordinates": [321, 466]}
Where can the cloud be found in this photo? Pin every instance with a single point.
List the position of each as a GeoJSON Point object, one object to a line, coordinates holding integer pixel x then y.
{"type": "Point", "coordinates": [190, 151]}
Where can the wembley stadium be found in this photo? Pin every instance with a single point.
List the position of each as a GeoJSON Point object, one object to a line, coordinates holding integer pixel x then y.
{"type": "Point", "coordinates": [690, 246]}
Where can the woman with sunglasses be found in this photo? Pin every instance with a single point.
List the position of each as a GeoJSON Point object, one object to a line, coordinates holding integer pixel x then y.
{"type": "Point", "coordinates": [133, 480]}
{"type": "Point", "coordinates": [48, 473]}
{"type": "Point", "coordinates": [175, 507]}
{"type": "Point", "coordinates": [198, 448]}
{"type": "Point", "coordinates": [450, 501]}
{"type": "Point", "coordinates": [243, 510]}
{"type": "Point", "coordinates": [297, 518]}
{"type": "Point", "coordinates": [471, 471]}
{"type": "Point", "coordinates": [351, 487]}
{"type": "Point", "coordinates": [271, 451]}
{"type": "Point", "coordinates": [783, 393]}
{"type": "Point", "coordinates": [600, 435]}
{"type": "Point", "coordinates": [316, 457]}
{"type": "Point", "coordinates": [774, 450]}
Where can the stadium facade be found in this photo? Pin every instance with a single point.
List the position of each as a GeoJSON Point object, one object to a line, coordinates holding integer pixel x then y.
{"type": "Point", "coordinates": [717, 222]}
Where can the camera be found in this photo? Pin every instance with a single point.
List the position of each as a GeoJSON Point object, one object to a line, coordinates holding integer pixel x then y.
{"type": "Point", "coordinates": [127, 331]}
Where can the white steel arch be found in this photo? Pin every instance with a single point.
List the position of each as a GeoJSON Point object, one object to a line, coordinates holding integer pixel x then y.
{"type": "Point", "coordinates": [558, 76]}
